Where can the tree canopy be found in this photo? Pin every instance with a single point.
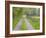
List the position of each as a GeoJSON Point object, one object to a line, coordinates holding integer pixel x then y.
{"type": "Point", "coordinates": [19, 11]}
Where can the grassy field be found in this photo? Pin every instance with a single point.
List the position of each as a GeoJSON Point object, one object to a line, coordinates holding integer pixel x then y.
{"type": "Point", "coordinates": [15, 21]}
{"type": "Point", "coordinates": [35, 21]}
{"type": "Point", "coordinates": [23, 27]}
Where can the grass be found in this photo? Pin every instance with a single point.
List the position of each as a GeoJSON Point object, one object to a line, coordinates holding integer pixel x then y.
{"type": "Point", "coordinates": [35, 22]}
{"type": "Point", "coordinates": [15, 21]}
{"type": "Point", "coordinates": [23, 27]}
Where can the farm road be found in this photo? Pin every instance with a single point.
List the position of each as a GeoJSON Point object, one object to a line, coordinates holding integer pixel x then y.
{"type": "Point", "coordinates": [18, 26]}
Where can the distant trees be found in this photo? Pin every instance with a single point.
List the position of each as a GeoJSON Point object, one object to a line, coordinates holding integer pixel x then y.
{"type": "Point", "coordinates": [33, 12]}
{"type": "Point", "coordinates": [18, 11]}
{"type": "Point", "coordinates": [36, 12]}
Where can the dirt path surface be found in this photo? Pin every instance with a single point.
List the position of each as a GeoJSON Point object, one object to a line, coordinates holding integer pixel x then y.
{"type": "Point", "coordinates": [18, 26]}
{"type": "Point", "coordinates": [29, 26]}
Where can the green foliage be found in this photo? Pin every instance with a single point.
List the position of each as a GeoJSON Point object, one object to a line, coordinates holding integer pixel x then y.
{"type": "Point", "coordinates": [18, 12]}
{"type": "Point", "coordinates": [23, 27]}
{"type": "Point", "coordinates": [35, 22]}
{"type": "Point", "coordinates": [15, 21]}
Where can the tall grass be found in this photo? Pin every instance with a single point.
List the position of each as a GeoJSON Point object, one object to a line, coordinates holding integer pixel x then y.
{"type": "Point", "coordinates": [23, 27]}
{"type": "Point", "coordinates": [35, 22]}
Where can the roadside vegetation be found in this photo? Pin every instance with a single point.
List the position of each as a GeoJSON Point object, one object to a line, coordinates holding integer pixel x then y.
{"type": "Point", "coordinates": [23, 27]}
{"type": "Point", "coordinates": [32, 14]}
{"type": "Point", "coordinates": [35, 22]}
